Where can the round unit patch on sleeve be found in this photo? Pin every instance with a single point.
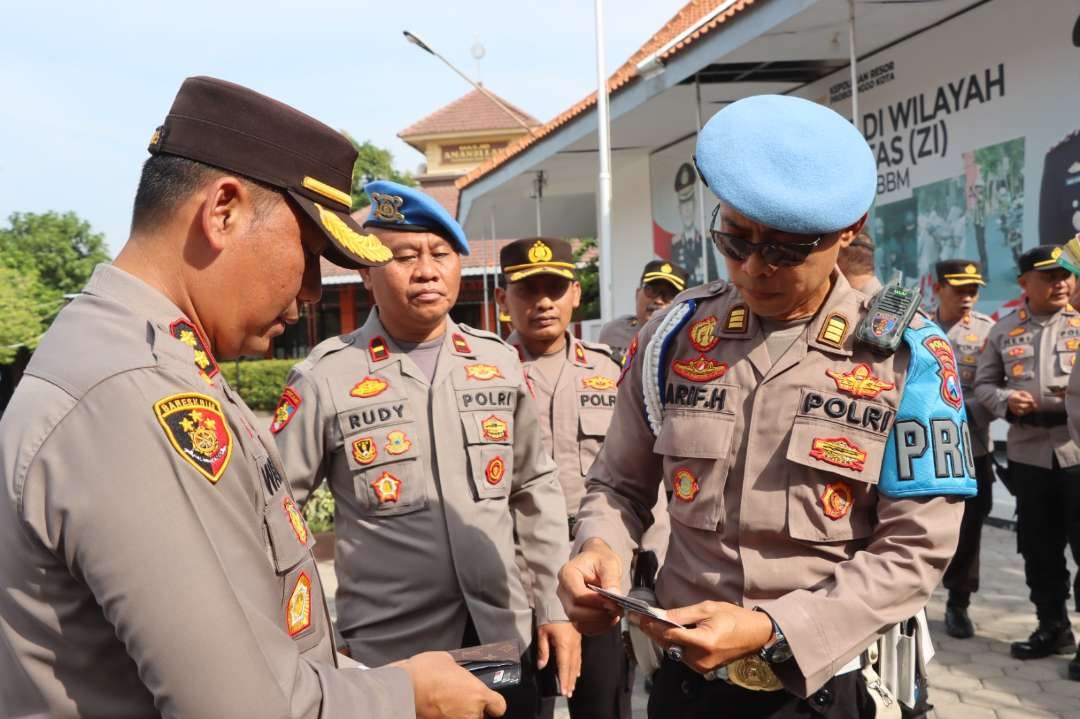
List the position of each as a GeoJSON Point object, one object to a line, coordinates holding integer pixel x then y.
{"type": "Point", "coordinates": [196, 428]}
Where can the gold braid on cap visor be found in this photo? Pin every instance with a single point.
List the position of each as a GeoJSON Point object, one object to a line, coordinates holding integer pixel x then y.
{"type": "Point", "coordinates": [367, 247]}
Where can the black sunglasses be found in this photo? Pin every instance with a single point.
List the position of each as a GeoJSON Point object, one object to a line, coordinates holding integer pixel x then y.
{"type": "Point", "coordinates": [777, 254]}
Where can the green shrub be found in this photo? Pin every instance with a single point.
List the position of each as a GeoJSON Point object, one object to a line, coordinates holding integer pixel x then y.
{"type": "Point", "coordinates": [259, 382]}
{"type": "Point", "coordinates": [319, 510]}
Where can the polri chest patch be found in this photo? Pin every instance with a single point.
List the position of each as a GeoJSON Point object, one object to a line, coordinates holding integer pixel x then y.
{"type": "Point", "coordinates": [196, 428]}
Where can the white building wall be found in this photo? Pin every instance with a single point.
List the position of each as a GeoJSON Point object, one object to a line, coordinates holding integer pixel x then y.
{"type": "Point", "coordinates": [631, 225]}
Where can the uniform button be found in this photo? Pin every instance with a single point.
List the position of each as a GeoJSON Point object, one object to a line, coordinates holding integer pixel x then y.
{"type": "Point", "coordinates": [823, 698]}
{"type": "Point", "coordinates": [685, 687]}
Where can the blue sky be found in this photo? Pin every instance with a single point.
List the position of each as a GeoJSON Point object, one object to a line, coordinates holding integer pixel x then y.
{"type": "Point", "coordinates": [83, 84]}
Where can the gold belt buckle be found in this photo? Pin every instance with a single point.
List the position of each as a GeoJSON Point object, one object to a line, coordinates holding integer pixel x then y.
{"type": "Point", "coordinates": [750, 672]}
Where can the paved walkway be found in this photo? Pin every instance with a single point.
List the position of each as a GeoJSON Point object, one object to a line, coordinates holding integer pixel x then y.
{"type": "Point", "coordinates": [971, 678]}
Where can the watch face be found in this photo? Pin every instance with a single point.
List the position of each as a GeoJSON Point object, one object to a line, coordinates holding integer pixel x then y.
{"type": "Point", "coordinates": [779, 652]}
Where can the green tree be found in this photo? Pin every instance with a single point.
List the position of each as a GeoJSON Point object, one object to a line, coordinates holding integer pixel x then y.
{"type": "Point", "coordinates": [589, 277]}
{"type": "Point", "coordinates": [373, 163]}
{"type": "Point", "coordinates": [25, 306]}
{"type": "Point", "coordinates": [59, 249]}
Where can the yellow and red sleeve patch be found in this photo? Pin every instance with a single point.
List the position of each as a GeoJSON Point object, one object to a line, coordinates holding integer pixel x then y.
{"type": "Point", "coordinates": [197, 429]}
{"type": "Point", "coordinates": [298, 610]}
{"type": "Point", "coordinates": [684, 485]}
{"type": "Point", "coordinates": [950, 382]}
{"type": "Point", "coordinates": [296, 520]}
{"type": "Point", "coordinates": [495, 470]}
{"type": "Point", "coordinates": [364, 450]}
{"type": "Point", "coordinates": [286, 409]}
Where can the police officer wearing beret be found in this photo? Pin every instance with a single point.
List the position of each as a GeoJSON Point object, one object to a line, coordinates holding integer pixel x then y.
{"type": "Point", "coordinates": [1021, 377]}
{"type": "Point", "coordinates": [956, 288]}
{"type": "Point", "coordinates": [816, 483]}
{"type": "Point", "coordinates": [660, 282]}
{"type": "Point", "coordinates": [427, 435]}
{"type": "Point", "coordinates": [152, 559]}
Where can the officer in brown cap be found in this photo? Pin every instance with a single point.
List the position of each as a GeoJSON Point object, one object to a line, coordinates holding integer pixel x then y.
{"type": "Point", "coordinates": [1021, 377]}
{"type": "Point", "coordinates": [574, 383]}
{"type": "Point", "coordinates": [957, 290]}
{"type": "Point", "coordinates": [660, 282]}
{"type": "Point", "coordinates": [152, 558]}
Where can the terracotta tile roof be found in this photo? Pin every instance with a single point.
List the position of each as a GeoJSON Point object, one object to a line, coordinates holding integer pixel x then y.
{"type": "Point", "coordinates": [473, 112]}
{"type": "Point", "coordinates": [690, 15]}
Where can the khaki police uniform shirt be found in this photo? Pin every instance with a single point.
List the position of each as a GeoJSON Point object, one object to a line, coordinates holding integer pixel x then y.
{"type": "Point", "coordinates": [759, 454]}
{"type": "Point", "coordinates": [618, 334]}
{"type": "Point", "coordinates": [968, 338]}
{"type": "Point", "coordinates": [430, 482]}
{"type": "Point", "coordinates": [1024, 353]}
{"type": "Point", "coordinates": [581, 402]}
{"type": "Point", "coordinates": [152, 561]}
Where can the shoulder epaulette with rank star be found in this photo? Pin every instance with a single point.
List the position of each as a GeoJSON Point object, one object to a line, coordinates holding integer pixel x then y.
{"type": "Point", "coordinates": [186, 331]}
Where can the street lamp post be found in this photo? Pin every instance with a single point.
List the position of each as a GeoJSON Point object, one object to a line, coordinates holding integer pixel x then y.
{"type": "Point", "coordinates": [603, 195]}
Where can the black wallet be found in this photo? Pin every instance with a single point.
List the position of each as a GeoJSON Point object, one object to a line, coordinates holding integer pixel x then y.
{"type": "Point", "coordinates": [496, 665]}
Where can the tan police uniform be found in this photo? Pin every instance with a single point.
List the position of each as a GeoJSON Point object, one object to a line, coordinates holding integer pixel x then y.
{"type": "Point", "coordinates": [431, 482]}
{"type": "Point", "coordinates": [968, 338]}
{"type": "Point", "coordinates": [774, 464]}
{"type": "Point", "coordinates": [1036, 354]}
{"type": "Point", "coordinates": [1026, 352]}
{"type": "Point", "coordinates": [618, 333]}
{"type": "Point", "coordinates": [153, 559]}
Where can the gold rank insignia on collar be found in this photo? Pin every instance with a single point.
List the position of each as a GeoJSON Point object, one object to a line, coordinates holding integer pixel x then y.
{"type": "Point", "coordinates": [387, 207]}
{"type": "Point", "coordinates": [834, 331]}
{"type": "Point", "coordinates": [196, 428]}
{"type": "Point", "coordinates": [579, 354]}
{"type": "Point", "coordinates": [377, 349]}
{"type": "Point", "coordinates": [186, 331]}
{"type": "Point", "coordinates": [460, 344]}
{"type": "Point", "coordinates": [736, 319]}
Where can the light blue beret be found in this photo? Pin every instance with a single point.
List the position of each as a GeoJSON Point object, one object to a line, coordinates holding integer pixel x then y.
{"type": "Point", "coordinates": [788, 163]}
{"type": "Point", "coordinates": [399, 207]}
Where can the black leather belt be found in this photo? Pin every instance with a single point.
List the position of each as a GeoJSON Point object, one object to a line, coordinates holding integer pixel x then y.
{"type": "Point", "coordinates": [1042, 419]}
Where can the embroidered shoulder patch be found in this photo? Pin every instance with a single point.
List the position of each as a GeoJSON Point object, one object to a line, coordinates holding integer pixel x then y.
{"type": "Point", "coordinates": [286, 409]}
{"type": "Point", "coordinates": [397, 442]}
{"type": "Point", "coordinates": [703, 334]}
{"type": "Point", "coordinates": [197, 430]}
{"type": "Point", "coordinates": [494, 429]}
{"type": "Point", "coordinates": [364, 450]}
{"type": "Point", "coordinates": [1017, 331]}
{"type": "Point", "coordinates": [387, 488]}
{"type": "Point", "coordinates": [579, 354]}
{"type": "Point", "coordinates": [296, 520]}
{"type": "Point", "coordinates": [950, 381]}
{"type": "Point", "coordinates": [736, 319]}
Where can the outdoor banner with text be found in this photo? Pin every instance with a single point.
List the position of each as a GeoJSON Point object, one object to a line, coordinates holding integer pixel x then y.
{"type": "Point", "coordinates": [974, 125]}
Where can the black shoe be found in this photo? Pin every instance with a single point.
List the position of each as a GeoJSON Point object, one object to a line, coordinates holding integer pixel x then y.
{"type": "Point", "coordinates": [1055, 638]}
{"type": "Point", "coordinates": [958, 623]}
{"type": "Point", "coordinates": [1074, 667]}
